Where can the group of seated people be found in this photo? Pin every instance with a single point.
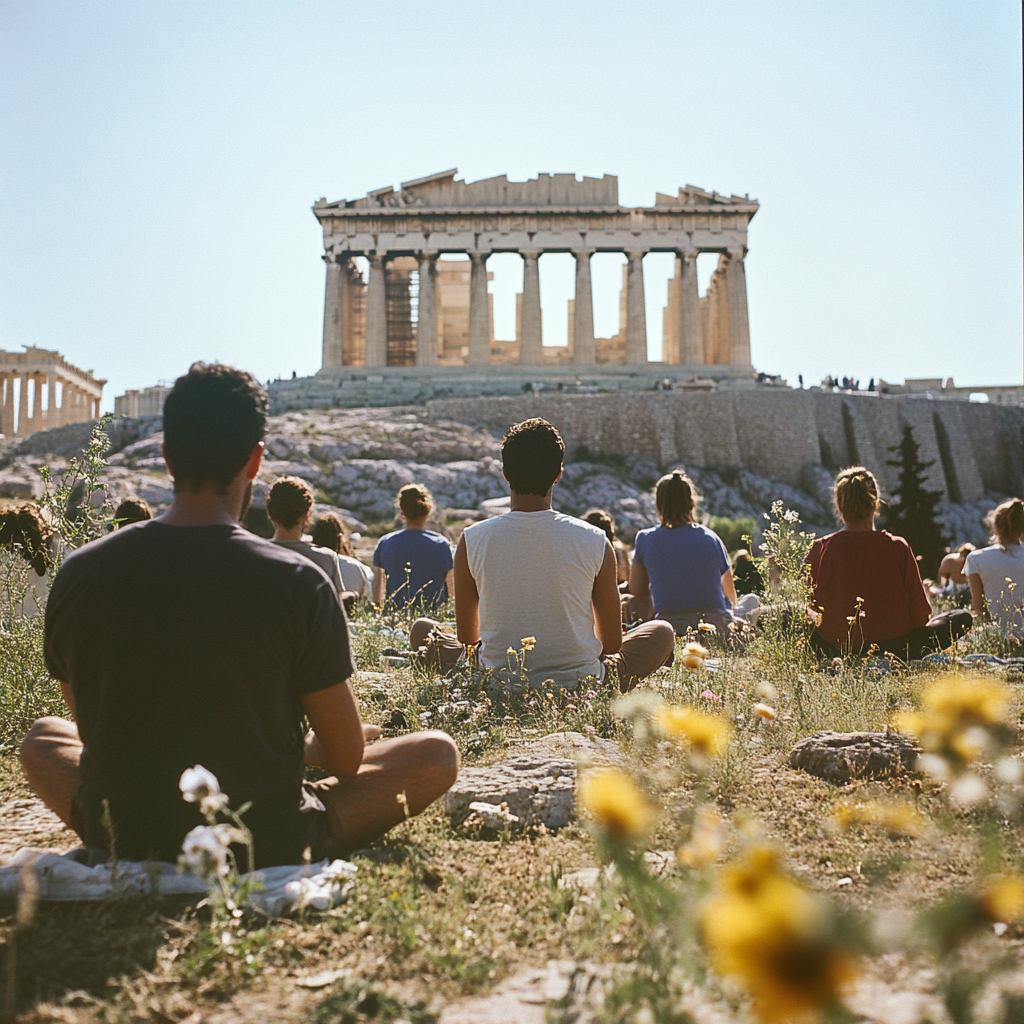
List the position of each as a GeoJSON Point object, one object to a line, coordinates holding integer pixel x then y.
{"type": "Point", "coordinates": [233, 652]}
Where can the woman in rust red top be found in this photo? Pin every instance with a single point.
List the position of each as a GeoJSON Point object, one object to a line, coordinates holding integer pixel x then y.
{"type": "Point", "coordinates": [867, 586]}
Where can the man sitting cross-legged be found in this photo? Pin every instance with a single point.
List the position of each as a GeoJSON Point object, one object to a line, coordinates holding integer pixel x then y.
{"type": "Point", "coordinates": [187, 640]}
{"type": "Point", "coordinates": [538, 573]}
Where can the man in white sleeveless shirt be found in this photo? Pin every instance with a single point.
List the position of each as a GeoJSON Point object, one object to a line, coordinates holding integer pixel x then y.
{"type": "Point", "coordinates": [537, 573]}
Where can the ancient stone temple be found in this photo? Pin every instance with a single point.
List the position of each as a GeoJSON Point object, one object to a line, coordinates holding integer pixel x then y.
{"type": "Point", "coordinates": [40, 389]}
{"type": "Point", "coordinates": [414, 311]}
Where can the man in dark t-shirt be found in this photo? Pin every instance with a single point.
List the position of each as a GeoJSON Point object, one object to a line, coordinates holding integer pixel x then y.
{"type": "Point", "coordinates": [187, 640]}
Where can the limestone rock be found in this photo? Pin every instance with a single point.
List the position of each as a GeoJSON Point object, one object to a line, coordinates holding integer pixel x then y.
{"type": "Point", "coordinates": [537, 783]}
{"type": "Point", "coordinates": [841, 757]}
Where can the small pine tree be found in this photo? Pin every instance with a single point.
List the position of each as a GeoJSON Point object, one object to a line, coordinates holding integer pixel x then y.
{"type": "Point", "coordinates": [912, 517]}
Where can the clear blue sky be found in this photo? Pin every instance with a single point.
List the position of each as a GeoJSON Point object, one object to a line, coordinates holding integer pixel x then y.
{"type": "Point", "coordinates": [159, 162]}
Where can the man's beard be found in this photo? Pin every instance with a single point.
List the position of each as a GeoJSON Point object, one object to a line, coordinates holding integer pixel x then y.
{"type": "Point", "coordinates": [246, 501]}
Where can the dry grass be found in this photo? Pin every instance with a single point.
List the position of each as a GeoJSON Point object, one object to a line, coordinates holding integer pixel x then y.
{"type": "Point", "coordinates": [436, 913]}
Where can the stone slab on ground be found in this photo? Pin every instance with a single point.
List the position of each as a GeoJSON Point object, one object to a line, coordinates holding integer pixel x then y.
{"type": "Point", "coordinates": [30, 822]}
{"type": "Point", "coordinates": [842, 757]}
{"type": "Point", "coordinates": [537, 781]}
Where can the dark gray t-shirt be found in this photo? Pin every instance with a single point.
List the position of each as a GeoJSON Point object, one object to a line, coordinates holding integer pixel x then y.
{"type": "Point", "coordinates": [185, 646]}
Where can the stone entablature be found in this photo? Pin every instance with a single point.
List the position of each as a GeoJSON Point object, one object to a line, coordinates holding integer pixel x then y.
{"type": "Point", "coordinates": [40, 389]}
{"type": "Point", "coordinates": [372, 325]}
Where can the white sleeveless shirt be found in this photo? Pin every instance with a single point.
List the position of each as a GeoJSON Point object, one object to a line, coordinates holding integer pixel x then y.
{"type": "Point", "coordinates": [535, 573]}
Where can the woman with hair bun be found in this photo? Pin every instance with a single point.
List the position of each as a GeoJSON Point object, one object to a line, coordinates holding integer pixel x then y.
{"type": "Point", "coordinates": [413, 565]}
{"type": "Point", "coordinates": [867, 584]}
{"type": "Point", "coordinates": [680, 569]}
{"type": "Point", "coordinates": [603, 521]}
{"type": "Point", "coordinates": [996, 573]}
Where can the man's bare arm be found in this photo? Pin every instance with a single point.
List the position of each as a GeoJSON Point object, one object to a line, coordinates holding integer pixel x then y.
{"type": "Point", "coordinates": [607, 608]}
{"type": "Point", "coordinates": [640, 588]}
{"type": "Point", "coordinates": [336, 741]}
{"type": "Point", "coordinates": [378, 584]}
{"type": "Point", "coordinates": [467, 598]}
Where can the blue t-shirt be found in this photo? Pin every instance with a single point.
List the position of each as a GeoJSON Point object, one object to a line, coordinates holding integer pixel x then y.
{"type": "Point", "coordinates": [415, 563]}
{"type": "Point", "coordinates": [685, 566]}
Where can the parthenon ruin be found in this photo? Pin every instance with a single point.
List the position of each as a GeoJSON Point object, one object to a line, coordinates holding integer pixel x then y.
{"type": "Point", "coordinates": [414, 311]}
{"type": "Point", "coordinates": [40, 389]}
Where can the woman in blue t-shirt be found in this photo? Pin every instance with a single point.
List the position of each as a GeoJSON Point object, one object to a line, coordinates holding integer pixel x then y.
{"type": "Point", "coordinates": [681, 569]}
{"type": "Point", "coordinates": [414, 565]}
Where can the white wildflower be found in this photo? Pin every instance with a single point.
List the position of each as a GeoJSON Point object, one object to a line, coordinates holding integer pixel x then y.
{"type": "Point", "coordinates": [199, 785]}
{"type": "Point", "coordinates": [205, 849]}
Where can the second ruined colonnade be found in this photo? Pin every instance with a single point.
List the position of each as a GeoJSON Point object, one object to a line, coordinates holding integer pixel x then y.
{"type": "Point", "coordinates": [440, 215]}
{"type": "Point", "coordinates": [40, 389]}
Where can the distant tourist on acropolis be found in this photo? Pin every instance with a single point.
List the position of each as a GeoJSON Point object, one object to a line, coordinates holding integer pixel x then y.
{"type": "Point", "coordinates": [867, 586]}
{"type": "Point", "coordinates": [289, 506]}
{"type": "Point", "coordinates": [413, 565]}
{"type": "Point", "coordinates": [541, 584]}
{"type": "Point", "coordinates": [214, 657]}
{"type": "Point", "coordinates": [132, 510]}
{"type": "Point", "coordinates": [329, 532]}
{"type": "Point", "coordinates": [996, 573]}
{"type": "Point", "coordinates": [681, 569]}
{"type": "Point", "coordinates": [26, 533]}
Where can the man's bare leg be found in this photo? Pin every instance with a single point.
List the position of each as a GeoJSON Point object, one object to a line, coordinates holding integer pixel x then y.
{"type": "Point", "coordinates": [423, 766]}
{"type": "Point", "coordinates": [50, 755]}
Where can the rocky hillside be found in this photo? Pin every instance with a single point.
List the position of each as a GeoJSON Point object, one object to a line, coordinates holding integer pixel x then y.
{"type": "Point", "coordinates": [357, 459]}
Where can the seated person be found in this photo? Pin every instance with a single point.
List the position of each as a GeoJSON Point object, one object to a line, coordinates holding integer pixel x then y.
{"type": "Point", "coordinates": [867, 585]}
{"type": "Point", "coordinates": [213, 656]}
{"type": "Point", "coordinates": [132, 510]}
{"type": "Point", "coordinates": [952, 579]}
{"type": "Point", "coordinates": [356, 577]}
{"type": "Point", "coordinates": [996, 573]}
{"type": "Point", "coordinates": [538, 573]}
{"type": "Point", "coordinates": [289, 506]}
{"type": "Point", "coordinates": [603, 521]}
{"type": "Point", "coordinates": [681, 569]}
{"type": "Point", "coordinates": [25, 532]}
{"type": "Point", "coordinates": [746, 576]}
{"type": "Point", "coordinates": [413, 565]}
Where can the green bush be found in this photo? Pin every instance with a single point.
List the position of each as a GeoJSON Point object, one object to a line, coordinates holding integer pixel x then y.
{"type": "Point", "coordinates": [732, 531]}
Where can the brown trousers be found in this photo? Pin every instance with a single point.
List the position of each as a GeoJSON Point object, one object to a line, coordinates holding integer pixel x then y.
{"type": "Point", "coordinates": [644, 649]}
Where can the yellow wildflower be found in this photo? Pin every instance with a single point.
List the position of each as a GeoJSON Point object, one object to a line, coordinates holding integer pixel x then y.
{"type": "Point", "coordinates": [695, 648]}
{"type": "Point", "coordinates": [706, 627]}
{"type": "Point", "coordinates": [708, 734]}
{"type": "Point", "coordinates": [616, 803]}
{"type": "Point", "coordinates": [764, 711]}
{"type": "Point", "coordinates": [776, 938]}
{"type": "Point", "coordinates": [898, 818]}
{"type": "Point", "coordinates": [691, 662]}
{"type": "Point", "coordinates": [959, 718]}
{"type": "Point", "coordinates": [1003, 898]}
{"type": "Point", "coordinates": [528, 642]}
{"type": "Point", "coordinates": [707, 840]}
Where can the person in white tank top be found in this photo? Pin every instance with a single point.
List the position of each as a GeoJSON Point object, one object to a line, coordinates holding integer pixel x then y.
{"type": "Point", "coordinates": [543, 577]}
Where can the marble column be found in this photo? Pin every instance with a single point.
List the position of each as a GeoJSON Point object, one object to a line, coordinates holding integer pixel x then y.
{"type": "Point", "coordinates": [334, 315]}
{"type": "Point", "coordinates": [376, 314]}
{"type": "Point", "coordinates": [636, 314]}
{"type": "Point", "coordinates": [7, 404]}
{"type": "Point", "coordinates": [583, 316]}
{"type": "Point", "coordinates": [531, 342]}
{"type": "Point", "coordinates": [50, 419]}
{"type": "Point", "coordinates": [426, 324]}
{"type": "Point", "coordinates": [479, 312]}
{"type": "Point", "coordinates": [691, 328]}
{"type": "Point", "coordinates": [739, 323]}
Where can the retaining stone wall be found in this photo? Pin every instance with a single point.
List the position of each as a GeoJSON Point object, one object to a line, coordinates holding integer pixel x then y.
{"type": "Point", "coordinates": [779, 432]}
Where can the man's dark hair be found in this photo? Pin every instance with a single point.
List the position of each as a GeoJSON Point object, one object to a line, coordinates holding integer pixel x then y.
{"type": "Point", "coordinates": [132, 510]}
{"type": "Point", "coordinates": [213, 418]}
{"type": "Point", "coordinates": [531, 456]}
